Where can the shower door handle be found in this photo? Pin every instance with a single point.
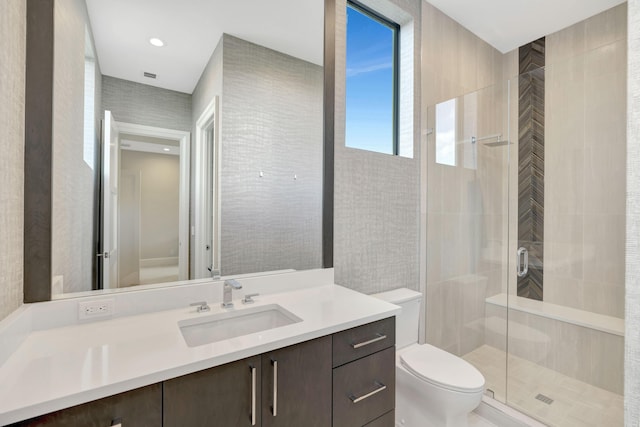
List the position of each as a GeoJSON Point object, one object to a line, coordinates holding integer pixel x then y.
{"type": "Point", "coordinates": [523, 262]}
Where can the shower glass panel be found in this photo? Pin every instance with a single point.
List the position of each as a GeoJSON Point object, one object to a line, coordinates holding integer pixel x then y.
{"type": "Point", "coordinates": [566, 337]}
{"type": "Point", "coordinates": [467, 173]}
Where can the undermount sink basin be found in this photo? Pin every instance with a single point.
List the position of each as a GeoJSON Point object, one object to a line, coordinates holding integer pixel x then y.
{"type": "Point", "coordinates": [223, 326]}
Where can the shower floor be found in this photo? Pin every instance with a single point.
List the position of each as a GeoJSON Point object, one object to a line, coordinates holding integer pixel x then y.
{"type": "Point", "coordinates": [575, 403]}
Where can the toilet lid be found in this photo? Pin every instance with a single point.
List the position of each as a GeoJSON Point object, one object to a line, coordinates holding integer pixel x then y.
{"type": "Point", "coordinates": [442, 369]}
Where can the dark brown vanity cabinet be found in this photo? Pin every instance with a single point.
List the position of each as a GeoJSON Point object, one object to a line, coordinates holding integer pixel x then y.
{"type": "Point", "coordinates": [296, 385]}
{"type": "Point", "coordinates": [139, 407]}
{"type": "Point", "coordinates": [344, 379]}
{"type": "Point", "coordinates": [287, 387]}
{"type": "Point", "coordinates": [227, 395]}
{"type": "Point", "coordinates": [364, 375]}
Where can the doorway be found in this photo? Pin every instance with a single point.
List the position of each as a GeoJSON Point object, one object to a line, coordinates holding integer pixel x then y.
{"type": "Point", "coordinates": [145, 236]}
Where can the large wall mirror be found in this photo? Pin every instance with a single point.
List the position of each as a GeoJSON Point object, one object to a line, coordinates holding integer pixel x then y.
{"type": "Point", "coordinates": [186, 141]}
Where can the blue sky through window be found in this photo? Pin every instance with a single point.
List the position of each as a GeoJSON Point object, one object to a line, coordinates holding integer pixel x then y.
{"type": "Point", "coordinates": [369, 90]}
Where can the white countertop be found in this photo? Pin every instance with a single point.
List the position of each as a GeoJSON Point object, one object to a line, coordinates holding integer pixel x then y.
{"type": "Point", "coordinates": [65, 366]}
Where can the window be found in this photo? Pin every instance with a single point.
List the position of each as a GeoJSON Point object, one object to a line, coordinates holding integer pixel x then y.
{"type": "Point", "coordinates": [446, 133]}
{"type": "Point", "coordinates": [371, 81]}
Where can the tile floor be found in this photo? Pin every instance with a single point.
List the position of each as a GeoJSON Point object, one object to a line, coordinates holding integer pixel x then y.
{"type": "Point", "coordinates": [476, 420]}
{"type": "Point", "coordinates": [575, 403]}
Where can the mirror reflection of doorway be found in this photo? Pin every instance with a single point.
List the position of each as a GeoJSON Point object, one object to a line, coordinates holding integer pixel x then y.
{"type": "Point", "coordinates": [145, 230]}
{"type": "Point", "coordinates": [148, 211]}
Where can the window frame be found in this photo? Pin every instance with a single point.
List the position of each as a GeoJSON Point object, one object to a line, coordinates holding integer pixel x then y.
{"type": "Point", "coordinates": [395, 28]}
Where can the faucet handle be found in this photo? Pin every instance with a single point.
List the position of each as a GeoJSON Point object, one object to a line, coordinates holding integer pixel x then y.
{"type": "Point", "coordinates": [248, 298]}
{"type": "Point", "coordinates": [202, 306]}
{"type": "Point", "coordinates": [233, 283]}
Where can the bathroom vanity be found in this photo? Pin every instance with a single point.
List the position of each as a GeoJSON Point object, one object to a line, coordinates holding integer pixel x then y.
{"type": "Point", "coordinates": [336, 366]}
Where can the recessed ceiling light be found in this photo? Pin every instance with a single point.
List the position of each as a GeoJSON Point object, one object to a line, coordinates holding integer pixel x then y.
{"type": "Point", "coordinates": [156, 42]}
{"type": "Point", "coordinates": [167, 149]}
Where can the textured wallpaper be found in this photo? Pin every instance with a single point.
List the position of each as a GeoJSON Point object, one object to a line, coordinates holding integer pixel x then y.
{"type": "Point", "coordinates": [271, 121]}
{"type": "Point", "coordinates": [377, 196]}
{"type": "Point", "coordinates": [73, 178]}
{"type": "Point", "coordinates": [132, 102]}
{"type": "Point", "coordinates": [209, 85]}
{"type": "Point", "coordinates": [632, 320]}
{"type": "Point", "coordinates": [12, 52]}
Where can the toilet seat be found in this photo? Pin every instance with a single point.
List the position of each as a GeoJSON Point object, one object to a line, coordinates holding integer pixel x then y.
{"type": "Point", "coordinates": [442, 369]}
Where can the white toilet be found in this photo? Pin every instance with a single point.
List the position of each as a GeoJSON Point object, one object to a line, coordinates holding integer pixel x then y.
{"type": "Point", "coordinates": [433, 388]}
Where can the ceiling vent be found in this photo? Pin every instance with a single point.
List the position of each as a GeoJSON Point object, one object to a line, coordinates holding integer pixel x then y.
{"type": "Point", "coordinates": [150, 75]}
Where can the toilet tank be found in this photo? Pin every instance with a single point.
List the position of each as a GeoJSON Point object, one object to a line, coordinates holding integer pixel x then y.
{"type": "Point", "coordinates": [408, 320]}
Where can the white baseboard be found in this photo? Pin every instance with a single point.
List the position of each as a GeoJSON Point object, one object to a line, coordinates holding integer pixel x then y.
{"type": "Point", "coordinates": [159, 262]}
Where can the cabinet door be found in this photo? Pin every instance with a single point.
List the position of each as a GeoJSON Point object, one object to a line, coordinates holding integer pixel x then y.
{"type": "Point", "coordinates": [140, 407]}
{"type": "Point", "coordinates": [224, 396]}
{"type": "Point", "coordinates": [296, 385]}
{"type": "Point", "coordinates": [365, 389]}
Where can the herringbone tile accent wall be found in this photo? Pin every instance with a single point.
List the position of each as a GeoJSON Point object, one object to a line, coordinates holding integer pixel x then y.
{"type": "Point", "coordinates": [531, 165]}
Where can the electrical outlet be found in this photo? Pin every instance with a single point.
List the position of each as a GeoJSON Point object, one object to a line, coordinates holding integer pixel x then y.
{"type": "Point", "coordinates": [96, 308]}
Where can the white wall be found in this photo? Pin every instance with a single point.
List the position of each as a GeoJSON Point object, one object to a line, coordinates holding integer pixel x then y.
{"type": "Point", "coordinates": [159, 196]}
{"type": "Point", "coordinates": [12, 69]}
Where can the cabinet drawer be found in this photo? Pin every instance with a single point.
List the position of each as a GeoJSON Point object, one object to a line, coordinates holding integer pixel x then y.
{"type": "Point", "coordinates": [364, 390]}
{"type": "Point", "coordinates": [387, 420]}
{"type": "Point", "coordinates": [364, 340]}
{"type": "Point", "coordinates": [140, 407]}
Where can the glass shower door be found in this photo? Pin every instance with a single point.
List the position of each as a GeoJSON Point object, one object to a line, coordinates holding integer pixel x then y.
{"type": "Point", "coordinates": [467, 166]}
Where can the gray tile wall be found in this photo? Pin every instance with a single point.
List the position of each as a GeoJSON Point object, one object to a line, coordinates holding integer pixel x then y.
{"type": "Point", "coordinates": [377, 196]}
{"type": "Point", "coordinates": [12, 69]}
{"type": "Point", "coordinates": [632, 275]}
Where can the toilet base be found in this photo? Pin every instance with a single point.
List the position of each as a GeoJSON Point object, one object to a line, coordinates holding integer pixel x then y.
{"type": "Point", "coordinates": [420, 404]}
{"type": "Point", "coordinates": [408, 416]}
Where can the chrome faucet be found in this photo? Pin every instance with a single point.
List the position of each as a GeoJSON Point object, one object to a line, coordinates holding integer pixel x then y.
{"type": "Point", "coordinates": [229, 286]}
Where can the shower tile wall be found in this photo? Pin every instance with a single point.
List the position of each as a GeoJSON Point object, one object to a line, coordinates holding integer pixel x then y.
{"type": "Point", "coordinates": [586, 354]}
{"type": "Point", "coordinates": [585, 153]}
{"type": "Point", "coordinates": [463, 205]}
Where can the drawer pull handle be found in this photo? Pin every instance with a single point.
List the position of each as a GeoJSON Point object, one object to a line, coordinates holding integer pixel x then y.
{"type": "Point", "coordinates": [117, 422]}
{"type": "Point", "coordinates": [274, 408]}
{"type": "Point", "coordinates": [380, 388]}
{"type": "Point", "coordinates": [253, 396]}
{"type": "Point", "coordinates": [379, 337]}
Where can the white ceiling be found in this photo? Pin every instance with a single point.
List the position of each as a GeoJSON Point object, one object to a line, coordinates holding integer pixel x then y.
{"type": "Point", "coordinates": [191, 30]}
{"type": "Point", "coordinates": [509, 24]}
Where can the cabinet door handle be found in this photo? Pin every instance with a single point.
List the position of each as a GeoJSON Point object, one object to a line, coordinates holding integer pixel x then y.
{"type": "Point", "coordinates": [117, 422]}
{"type": "Point", "coordinates": [253, 395]}
{"type": "Point", "coordinates": [274, 408]}
{"type": "Point", "coordinates": [379, 388]}
{"type": "Point", "coordinates": [379, 337]}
